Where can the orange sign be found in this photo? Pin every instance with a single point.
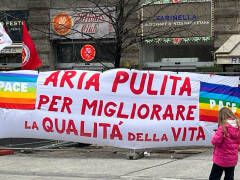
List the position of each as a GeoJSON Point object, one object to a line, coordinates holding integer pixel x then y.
{"type": "Point", "coordinates": [88, 52]}
{"type": "Point", "coordinates": [62, 23]}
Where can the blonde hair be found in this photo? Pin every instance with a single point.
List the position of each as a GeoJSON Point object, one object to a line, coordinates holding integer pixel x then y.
{"type": "Point", "coordinates": [223, 115]}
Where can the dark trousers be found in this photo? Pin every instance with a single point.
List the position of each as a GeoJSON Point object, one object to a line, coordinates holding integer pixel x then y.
{"type": "Point", "coordinates": [217, 171]}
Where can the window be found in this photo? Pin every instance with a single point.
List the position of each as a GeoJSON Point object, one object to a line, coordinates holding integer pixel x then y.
{"type": "Point", "coordinates": [188, 53]}
{"type": "Point", "coordinates": [65, 53]}
{"type": "Point", "coordinates": [10, 58]}
{"type": "Point", "coordinates": [71, 52]}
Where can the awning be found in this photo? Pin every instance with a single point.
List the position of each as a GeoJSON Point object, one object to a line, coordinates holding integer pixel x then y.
{"type": "Point", "coordinates": [229, 52]}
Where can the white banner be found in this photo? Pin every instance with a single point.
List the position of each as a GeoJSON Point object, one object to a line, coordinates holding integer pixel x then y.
{"type": "Point", "coordinates": [120, 107]}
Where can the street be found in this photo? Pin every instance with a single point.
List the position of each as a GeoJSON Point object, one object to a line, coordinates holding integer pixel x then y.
{"type": "Point", "coordinates": [93, 162]}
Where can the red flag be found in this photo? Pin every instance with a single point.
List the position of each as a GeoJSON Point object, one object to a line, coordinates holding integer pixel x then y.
{"type": "Point", "coordinates": [30, 59]}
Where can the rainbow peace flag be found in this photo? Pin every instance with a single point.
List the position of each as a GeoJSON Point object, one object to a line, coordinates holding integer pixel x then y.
{"type": "Point", "coordinates": [17, 90]}
{"type": "Point", "coordinates": [214, 96]}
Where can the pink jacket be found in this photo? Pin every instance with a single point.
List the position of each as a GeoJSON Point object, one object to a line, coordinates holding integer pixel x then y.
{"type": "Point", "coordinates": [225, 152]}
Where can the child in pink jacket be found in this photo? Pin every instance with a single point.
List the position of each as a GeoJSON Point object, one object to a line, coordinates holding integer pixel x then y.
{"type": "Point", "coordinates": [226, 141]}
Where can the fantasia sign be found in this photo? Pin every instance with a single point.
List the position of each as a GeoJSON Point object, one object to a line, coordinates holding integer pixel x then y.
{"type": "Point", "coordinates": [177, 20]}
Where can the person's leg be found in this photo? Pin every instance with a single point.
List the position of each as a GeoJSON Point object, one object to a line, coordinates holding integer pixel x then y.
{"type": "Point", "coordinates": [216, 172]}
{"type": "Point", "coordinates": [229, 173]}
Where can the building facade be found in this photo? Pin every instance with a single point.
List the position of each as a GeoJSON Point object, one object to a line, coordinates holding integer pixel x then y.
{"type": "Point", "coordinates": [184, 48]}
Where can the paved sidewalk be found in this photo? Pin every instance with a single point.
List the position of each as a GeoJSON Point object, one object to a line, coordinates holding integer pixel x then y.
{"type": "Point", "coordinates": [106, 164]}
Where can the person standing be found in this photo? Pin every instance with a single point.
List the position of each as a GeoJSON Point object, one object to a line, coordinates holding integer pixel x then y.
{"type": "Point", "coordinates": [226, 141]}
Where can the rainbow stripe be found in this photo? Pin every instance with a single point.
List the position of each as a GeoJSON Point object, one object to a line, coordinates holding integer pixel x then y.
{"type": "Point", "coordinates": [18, 91]}
{"type": "Point", "coordinates": [219, 95]}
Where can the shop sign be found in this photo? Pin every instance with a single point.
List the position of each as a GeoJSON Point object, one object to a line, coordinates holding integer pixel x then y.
{"type": "Point", "coordinates": [235, 60]}
{"type": "Point", "coordinates": [228, 60]}
{"type": "Point", "coordinates": [223, 59]}
{"type": "Point", "coordinates": [12, 22]}
{"type": "Point", "coordinates": [178, 20]}
{"type": "Point", "coordinates": [82, 23]}
{"type": "Point", "coordinates": [11, 50]}
{"type": "Point", "coordinates": [62, 23]}
{"type": "Point", "coordinates": [88, 52]}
